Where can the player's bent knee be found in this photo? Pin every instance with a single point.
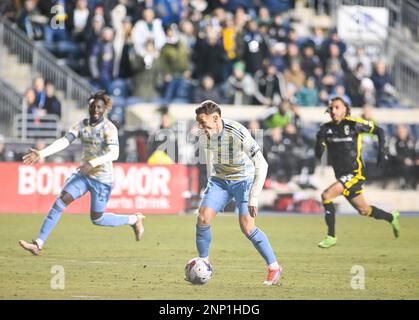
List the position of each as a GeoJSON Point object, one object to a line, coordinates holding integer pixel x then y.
{"type": "Point", "coordinates": [363, 212]}
{"type": "Point", "coordinates": [66, 198]}
{"type": "Point", "coordinates": [325, 196]}
{"type": "Point", "coordinates": [203, 220]}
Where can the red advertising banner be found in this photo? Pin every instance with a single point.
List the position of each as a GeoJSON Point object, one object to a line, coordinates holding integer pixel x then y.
{"type": "Point", "coordinates": [151, 189]}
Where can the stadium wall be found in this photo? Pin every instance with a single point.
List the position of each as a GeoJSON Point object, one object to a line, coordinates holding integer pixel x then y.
{"type": "Point", "coordinates": [151, 189]}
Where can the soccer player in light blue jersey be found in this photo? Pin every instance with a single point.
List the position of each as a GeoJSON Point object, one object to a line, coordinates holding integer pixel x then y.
{"type": "Point", "coordinates": [236, 169]}
{"type": "Point", "coordinates": [99, 138]}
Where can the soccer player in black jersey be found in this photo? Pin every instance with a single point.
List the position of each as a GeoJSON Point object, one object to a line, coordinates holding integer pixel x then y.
{"type": "Point", "coordinates": [342, 138]}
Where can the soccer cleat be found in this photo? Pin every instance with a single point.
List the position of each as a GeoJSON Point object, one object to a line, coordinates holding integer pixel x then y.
{"type": "Point", "coordinates": [31, 247]}
{"type": "Point", "coordinates": [273, 276]}
{"type": "Point", "coordinates": [139, 226]}
{"type": "Point", "coordinates": [328, 242]}
{"type": "Point", "coordinates": [396, 223]}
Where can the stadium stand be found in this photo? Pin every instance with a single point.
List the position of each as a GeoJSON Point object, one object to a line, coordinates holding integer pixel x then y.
{"type": "Point", "coordinates": [277, 62]}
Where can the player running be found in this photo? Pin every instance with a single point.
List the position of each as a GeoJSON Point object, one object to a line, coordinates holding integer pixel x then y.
{"type": "Point", "coordinates": [343, 140]}
{"type": "Point", "coordinates": [99, 139]}
{"type": "Point", "coordinates": [236, 169]}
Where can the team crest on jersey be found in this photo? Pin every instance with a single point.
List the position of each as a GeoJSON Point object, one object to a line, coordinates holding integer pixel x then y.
{"type": "Point", "coordinates": [346, 130]}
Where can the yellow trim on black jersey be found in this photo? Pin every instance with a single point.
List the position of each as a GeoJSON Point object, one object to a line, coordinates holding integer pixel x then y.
{"type": "Point", "coordinates": [372, 127]}
{"type": "Point", "coordinates": [358, 159]}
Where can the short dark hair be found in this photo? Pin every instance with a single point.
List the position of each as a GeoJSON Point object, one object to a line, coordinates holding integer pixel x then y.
{"type": "Point", "coordinates": [208, 107]}
{"type": "Point", "coordinates": [102, 95]}
{"type": "Point", "coordinates": [338, 98]}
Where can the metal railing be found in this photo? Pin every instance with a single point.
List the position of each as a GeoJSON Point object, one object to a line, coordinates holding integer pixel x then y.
{"type": "Point", "coordinates": [28, 127]}
{"type": "Point", "coordinates": [10, 106]}
{"type": "Point", "coordinates": [43, 62]}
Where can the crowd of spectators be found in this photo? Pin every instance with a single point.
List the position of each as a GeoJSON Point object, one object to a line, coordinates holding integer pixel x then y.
{"type": "Point", "coordinates": [236, 51]}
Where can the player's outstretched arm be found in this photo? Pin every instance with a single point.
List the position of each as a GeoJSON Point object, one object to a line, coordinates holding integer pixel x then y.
{"type": "Point", "coordinates": [261, 170]}
{"type": "Point", "coordinates": [382, 154]}
{"type": "Point", "coordinates": [35, 155]}
{"type": "Point", "coordinates": [31, 157]}
{"type": "Point", "coordinates": [320, 143]}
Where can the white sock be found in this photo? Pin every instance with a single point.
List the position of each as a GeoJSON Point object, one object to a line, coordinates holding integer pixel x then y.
{"type": "Point", "coordinates": [274, 265]}
{"type": "Point", "coordinates": [40, 243]}
{"type": "Point", "coordinates": [132, 219]}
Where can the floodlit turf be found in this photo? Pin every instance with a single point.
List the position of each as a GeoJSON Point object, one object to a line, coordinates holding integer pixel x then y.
{"type": "Point", "coordinates": [106, 263]}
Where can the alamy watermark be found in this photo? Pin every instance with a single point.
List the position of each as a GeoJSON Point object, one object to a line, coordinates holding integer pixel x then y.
{"type": "Point", "coordinates": [358, 278]}
{"type": "Point", "coordinates": [58, 280]}
{"type": "Point", "coordinates": [58, 18]}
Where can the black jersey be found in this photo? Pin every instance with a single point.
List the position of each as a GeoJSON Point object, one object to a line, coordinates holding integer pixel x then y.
{"type": "Point", "coordinates": [344, 144]}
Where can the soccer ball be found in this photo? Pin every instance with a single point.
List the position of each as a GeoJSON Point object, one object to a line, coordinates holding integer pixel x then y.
{"type": "Point", "coordinates": [198, 271]}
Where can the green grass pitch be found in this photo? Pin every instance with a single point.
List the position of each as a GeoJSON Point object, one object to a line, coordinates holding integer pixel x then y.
{"type": "Point", "coordinates": [107, 263]}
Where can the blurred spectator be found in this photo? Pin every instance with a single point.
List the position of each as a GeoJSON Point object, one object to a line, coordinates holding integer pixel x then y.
{"type": "Point", "coordinates": [5, 154]}
{"type": "Point", "coordinates": [39, 87]}
{"type": "Point", "coordinates": [148, 28]}
{"type": "Point", "coordinates": [316, 40]}
{"type": "Point", "coordinates": [310, 61]}
{"type": "Point", "coordinates": [209, 56]}
{"type": "Point", "coordinates": [146, 79]}
{"type": "Point", "coordinates": [270, 85]}
{"type": "Point", "coordinates": [279, 6]}
{"type": "Point", "coordinates": [240, 88]}
{"type": "Point", "coordinates": [264, 16]}
{"type": "Point", "coordinates": [175, 67]}
{"type": "Point", "coordinates": [295, 75]}
{"type": "Point", "coordinates": [125, 70]}
{"type": "Point", "coordinates": [164, 139]}
{"type": "Point", "coordinates": [8, 9]}
{"type": "Point", "coordinates": [78, 21]}
{"type": "Point", "coordinates": [102, 60]}
{"type": "Point", "coordinates": [170, 11]}
{"type": "Point", "coordinates": [279, 117]}
{"type": "Point", "coordinates": [32, 107]}
{"type": "Point", "coordinates": [206, 91]}
{"type": "Point", "coordinates": [352, 81]}
{"type": "Point", "coordinates": [335, 58]}
{"type": "Point", "coordinates": [278, 30]}
{"type": "Point", "coordinates": [280, 153]}
{"type": "Point", "coordinates": [332, 78]}
{"type": "Point", "coordinates": [52, 104]}
{"type": "Point", "coordinates": [333, 39]}
{"type": "Point", "coordinates": [360, 57]}
{"type": "Point", "coordinates": [273, 151]}
{"type": "Point", "coordinates": [308, 95]}
{"type": "Point", "coordinates": [278, 56]}
{"type": "Point", "coordinates": [255, 48]}
{"type": "Point", "coordinates": [293, 54]}
{"type": "Point", "coordinates": [31, 21]}
{"type": "Point", "coordinates": [93, 32]}
{"type": "Point", "coordinates": [367, 90]}
{"type": "Point", "coordinates": [403, 157]}
{"type": "Point", "coordinates": [294, 152]}
{"type": "Point", "coordinates": [339, 91]}
{"type": "Point", "coordinates": [383, 83]}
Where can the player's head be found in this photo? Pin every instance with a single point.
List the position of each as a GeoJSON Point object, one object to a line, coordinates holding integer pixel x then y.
{"type": "Point", "coordinates": [208, 116]}
{"type": "Point", "coordinates": [338, 109]}
{"type": "Point", "coordinates": [99, 103]}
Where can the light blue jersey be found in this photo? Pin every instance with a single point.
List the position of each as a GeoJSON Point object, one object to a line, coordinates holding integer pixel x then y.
{"type": "Point", "coordinates": [95, 143]}
{"type": "Point", "coordinates": [229, 153]}
{"type": "Point", "coordinates": [232, 173]}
